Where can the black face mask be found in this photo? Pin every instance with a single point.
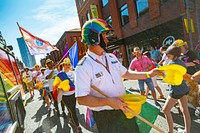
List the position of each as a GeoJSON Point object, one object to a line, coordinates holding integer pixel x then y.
{"type": "Point", "coordinates": [103, 44]}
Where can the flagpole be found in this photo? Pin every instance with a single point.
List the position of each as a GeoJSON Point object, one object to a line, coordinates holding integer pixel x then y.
{"type": "Point", "coordinates": [66, 54]}
{"type": "Point", "coordinates": [19, 29]}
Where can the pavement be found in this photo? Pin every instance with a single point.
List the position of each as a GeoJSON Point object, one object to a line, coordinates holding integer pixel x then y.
{"type": "Point", "coordinates": [40, 120]}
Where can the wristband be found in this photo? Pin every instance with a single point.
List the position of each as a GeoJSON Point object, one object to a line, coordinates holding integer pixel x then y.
{"type": "Point", "coordinates": [148, 75]}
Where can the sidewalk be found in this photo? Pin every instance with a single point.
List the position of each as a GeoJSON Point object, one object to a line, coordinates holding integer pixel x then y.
{"type": "Point", "coordinates": [39, 119]}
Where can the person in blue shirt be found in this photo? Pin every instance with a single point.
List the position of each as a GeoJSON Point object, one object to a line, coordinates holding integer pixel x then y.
{"type": "Point", "coordinates": [177, 93]}
{"type": "Point", "coordinates": [155, 54]}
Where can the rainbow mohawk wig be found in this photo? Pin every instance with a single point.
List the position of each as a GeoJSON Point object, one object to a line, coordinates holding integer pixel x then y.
{"type": "Point", "coordinates": [92, 27]}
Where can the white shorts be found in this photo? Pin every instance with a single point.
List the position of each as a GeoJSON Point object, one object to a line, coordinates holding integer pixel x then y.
{"type": "Point", "coordinates": [154, 79]}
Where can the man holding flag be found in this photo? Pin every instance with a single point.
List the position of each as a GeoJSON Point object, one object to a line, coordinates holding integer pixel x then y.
{"type": "Point", "coordinates": [104, 71]}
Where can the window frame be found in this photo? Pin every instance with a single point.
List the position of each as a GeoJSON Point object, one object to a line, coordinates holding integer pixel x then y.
{"type": "Point", "coordinates": [122, 9]}
{"type": "Point", "coordinates": [103, 3]}
{"type": "Point", "coordinates": [143, 11]}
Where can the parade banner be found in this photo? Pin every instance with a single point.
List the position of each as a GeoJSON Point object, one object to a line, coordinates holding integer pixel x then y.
{"type": "Point", "coordinates": [35, 44]}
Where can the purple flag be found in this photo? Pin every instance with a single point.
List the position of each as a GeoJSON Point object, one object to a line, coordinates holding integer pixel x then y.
{"type": "Point", "coordinates": [65, 53]}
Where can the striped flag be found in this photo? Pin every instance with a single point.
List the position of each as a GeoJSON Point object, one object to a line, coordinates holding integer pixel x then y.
{"type": "Point", "coordinates": [35, 44]}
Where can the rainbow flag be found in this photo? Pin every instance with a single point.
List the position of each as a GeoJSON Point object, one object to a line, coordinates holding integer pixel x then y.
{"type": "Point", "coordinates": [35, 44]}
{"type": "Point", "coordinates": [61, 77]}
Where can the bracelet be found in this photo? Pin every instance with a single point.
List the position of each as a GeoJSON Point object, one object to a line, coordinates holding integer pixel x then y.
{"type": "Point", "coordinates": [148, 75]}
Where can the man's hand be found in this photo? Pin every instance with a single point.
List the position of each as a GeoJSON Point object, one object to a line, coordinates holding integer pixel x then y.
{"type": "Point", "coordinates": [155, 72]}
{"type": "Point", "coordinates": [117, 103]}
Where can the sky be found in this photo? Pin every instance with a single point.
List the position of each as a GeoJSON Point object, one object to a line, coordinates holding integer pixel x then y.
{"type": "Point", "coordinates": [46, 19]}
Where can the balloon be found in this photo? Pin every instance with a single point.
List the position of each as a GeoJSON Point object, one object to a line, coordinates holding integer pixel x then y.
{"type": "Point", "coordinates": [64, 85]}
{"type": "Point", "coordinates": [134, 102]}
{"type": "Point", "coordinates": [173, 74]}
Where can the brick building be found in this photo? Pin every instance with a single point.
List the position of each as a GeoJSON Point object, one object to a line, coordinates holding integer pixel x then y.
{"type": "Point", "coordinates": [67, 40]}
{"type": "Point", "coordinates": [143, 23]}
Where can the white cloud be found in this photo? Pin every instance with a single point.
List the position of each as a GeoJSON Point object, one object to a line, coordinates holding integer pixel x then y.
{"type": "Point", "coordinates": [56, 17]}
{"type": "Point", "coordinates": [53, 33]}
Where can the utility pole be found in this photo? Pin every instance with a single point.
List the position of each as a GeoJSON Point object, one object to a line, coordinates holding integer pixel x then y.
{"type": "Point", "coordinates": [189, 23]}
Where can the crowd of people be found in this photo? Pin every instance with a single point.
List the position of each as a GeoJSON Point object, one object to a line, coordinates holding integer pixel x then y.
{"type": "Point", "coordinates": [104, 71]}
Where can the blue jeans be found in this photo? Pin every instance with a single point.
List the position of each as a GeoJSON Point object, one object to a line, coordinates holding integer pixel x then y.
{"type": "Point", "coordinates": [148, 82]}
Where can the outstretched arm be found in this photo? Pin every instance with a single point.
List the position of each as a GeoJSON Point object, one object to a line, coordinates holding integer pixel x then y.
{"type": "Point", "coordinates": [196, 76]}
{"type": "Point", "coordinates": [141, 75]}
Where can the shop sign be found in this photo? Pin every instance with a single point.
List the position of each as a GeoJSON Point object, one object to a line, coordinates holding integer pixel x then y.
{"type": "Point", "coordinates": [168, 40]}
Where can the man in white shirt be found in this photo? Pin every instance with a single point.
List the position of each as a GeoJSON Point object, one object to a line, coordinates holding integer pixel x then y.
{"type": "Point", "coordinates": [105, 72]}
{"type": "Point", "coordinates": [50, 74]}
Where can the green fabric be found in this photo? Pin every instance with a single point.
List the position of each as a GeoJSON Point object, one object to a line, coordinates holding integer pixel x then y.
{"type": "Point", "coordinates": [150, 113]}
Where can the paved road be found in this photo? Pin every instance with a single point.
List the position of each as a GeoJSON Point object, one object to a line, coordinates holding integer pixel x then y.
{"type": "Point", "coordinates": [39, 119]}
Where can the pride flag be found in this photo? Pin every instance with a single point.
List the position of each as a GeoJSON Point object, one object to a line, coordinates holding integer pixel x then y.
{"type": "Point", "coordinates": [73, 54]}
{"type": "Point", "coordinates": [59, 79]}
{"type": "Point", "coordinates": [35, 44]}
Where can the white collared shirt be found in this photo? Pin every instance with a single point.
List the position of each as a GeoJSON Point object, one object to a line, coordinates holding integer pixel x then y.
{"type": "Point", "coordinates": [94, 73]}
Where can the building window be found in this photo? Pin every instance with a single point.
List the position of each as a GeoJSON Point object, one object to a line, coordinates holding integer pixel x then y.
{"type": "Point", "coordinates": [79, 3]}
{"type": "Point", "coordinates": [79, 38]}
{"type": "Point", "coordinates": [74, 38]}
{"type": "Point", "coordinates": [142, 7]}
{"type": "Point", "coordinates": [109, 20]}
{"type": "Point", "coordinates": [82, 20]}
{"type": "Point", "coordinates": [88, 15]}
{"type": "Point", "coordinates": [104, 2]}
{"type": "Point", "coordinates": [124, 14]}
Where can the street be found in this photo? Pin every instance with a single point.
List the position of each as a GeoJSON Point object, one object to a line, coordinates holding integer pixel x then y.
{"type": "Point", "coordinates": [39, 119]}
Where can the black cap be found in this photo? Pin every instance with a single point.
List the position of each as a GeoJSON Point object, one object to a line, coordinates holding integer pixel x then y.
{"type": "Point", "coordinates": [173, 50]}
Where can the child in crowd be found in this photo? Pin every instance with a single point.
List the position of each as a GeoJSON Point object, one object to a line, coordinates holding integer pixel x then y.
{"type": "Point", "coordinates": [177, 93]}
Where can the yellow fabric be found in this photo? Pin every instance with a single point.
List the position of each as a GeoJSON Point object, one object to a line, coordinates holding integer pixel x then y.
{"type": "Point", "coordinates": [39, 85]}
{"type": "Point", "coordinates": [134, 102]}
{"type": "Point", "coordinates": [173, 74]}
{"type": "Point", "coordinates": [64, 85]}
{"type": "Point", "coordinates": [179, 43]}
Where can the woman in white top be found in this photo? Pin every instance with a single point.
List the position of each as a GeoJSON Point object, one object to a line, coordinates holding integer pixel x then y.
{"type": "Point", "coordinates": [44, 91]}
{"type": "Point", "coordinates": [69, 96]}
{"type": "Point", "coordinates": [28, 79]}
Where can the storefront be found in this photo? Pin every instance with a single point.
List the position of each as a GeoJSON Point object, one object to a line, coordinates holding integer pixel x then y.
{"type": "Point", "coordinates": [154, 36]}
